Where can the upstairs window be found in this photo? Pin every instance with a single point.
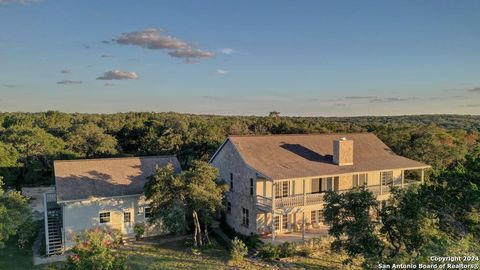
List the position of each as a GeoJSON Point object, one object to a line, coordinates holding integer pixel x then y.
{"type": "Point", "coordinates": [282, 189]}
{"type": "Point", "coordinates": [387, 178]}
{"type": "Point", "coordinates": [316, 185]}
{"type": "Point", "coordinates": [105, 217]}
{"type": "Point", "coordinates": [277, 223]}
{"type": "Point", "coordinates": [231, 181]}
{"type": "Point", "coordinates": [360, 180]}
{"type": "Point", "coordinates": [251, 186]}
{"type": "Point", "coordinates": [147, 212]}
{"type": "Point", "coordinates": [245, 217]}
{"type": "Point", "coordinates": [126, 217]}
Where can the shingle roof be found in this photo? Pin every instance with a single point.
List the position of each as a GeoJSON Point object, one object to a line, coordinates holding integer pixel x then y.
{"type": "Point", "coordinates": [294, 156]}
{"type": "Point", "coordinates": [107, 177]}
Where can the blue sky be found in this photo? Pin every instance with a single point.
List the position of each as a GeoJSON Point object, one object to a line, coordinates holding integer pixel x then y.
{"type": "Point", "coordinates": [331, 58]}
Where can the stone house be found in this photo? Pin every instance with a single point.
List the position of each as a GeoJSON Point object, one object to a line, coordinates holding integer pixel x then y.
{"type": "Point", "coordinates": [105, 192]}
{"type": "Point", "coordinates": [277, 182]}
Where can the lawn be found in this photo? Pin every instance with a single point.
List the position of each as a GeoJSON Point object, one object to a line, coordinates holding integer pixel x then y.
{"type": "Point", "coordinates": [175, 255]}
{"type": "Point", "coordinates": [12, 257]}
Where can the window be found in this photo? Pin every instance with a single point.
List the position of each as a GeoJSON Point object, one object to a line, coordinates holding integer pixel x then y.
{"type": "Point", "coordinates": [251, 186]}
{"type": "Point", "coordinates": [277, 223]}
{"type": "Point", "coordinates": [387, 178]}
{"type": "Point", "coordinates": [336, 181]}
{"type": "Point", "coordinates": [229, 207]}
{"type": "Point", "coordinates": [285, 222]}
{"type": "Point", "coordinates": [329, 183]}
{"type": "Point", "coordinates": [147, 212]}
{"type": "Point", "coordinates": [285, 188]}
{"type": "Point", "coordinates": [360, 180]}
{"type": "Point", "coordinates": [313, 216]}
{"type": "Point", "coordinates": [105, 217]}
{"type": "Point", "coordinates": [231, 181]}
{"type": "Point", "coordinates": [316, 216]}
{"type": "Point", "coordinates": [316, 185]}
{"type": "Point", "coordinates": [282, 189]}
{"type": "Point", "coordinates": [126, 217]}
{"type": "Point", "coordinates": [245, 218]}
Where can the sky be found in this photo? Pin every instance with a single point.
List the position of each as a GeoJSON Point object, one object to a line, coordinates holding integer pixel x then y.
{"type": "Point", "coordinates": [298, 57]}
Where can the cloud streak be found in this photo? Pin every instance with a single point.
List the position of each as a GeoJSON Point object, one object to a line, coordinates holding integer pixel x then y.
{"type": "Point", "coordinates": [391, 99]}
{"type": "Point", "coordinates": [69, 82]}
{"type": "Point", "coordinates": [227, 51]}
{"type": "Point", "coordinates": [474, 90]}
{"type": "Point", "coordinates": [152, 39]}
{"type": "Point", "coordinates": [221, 71]}
{"type": "Point", "coordinates": [66, 71]}
{"type": "Point", "coordinates": [21, 2]}
{"type": "Point", "coordinates": [118, 75]}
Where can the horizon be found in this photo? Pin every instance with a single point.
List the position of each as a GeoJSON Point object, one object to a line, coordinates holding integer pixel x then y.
{"type": "Point", "coordinates": [307, 59]}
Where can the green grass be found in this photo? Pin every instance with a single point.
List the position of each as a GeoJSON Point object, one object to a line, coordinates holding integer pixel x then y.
{"type": "Point", "coordinates": [175, 255]}
{"type": "Point", "coordinates": [12, 257]}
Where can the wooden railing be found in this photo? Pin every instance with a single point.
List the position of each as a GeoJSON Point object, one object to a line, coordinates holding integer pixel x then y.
{"type": "Point", "coordinates": [317, 198]}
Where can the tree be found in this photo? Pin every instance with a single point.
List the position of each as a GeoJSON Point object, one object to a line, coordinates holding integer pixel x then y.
{"type": "Point", "coordinates": [194, 193]}
{"type": "Point", "coordinates": [15, 217]}
{"type": "Point", "coordinates": [34, 146]}
{"type": "Point", "coordinates": [89, 140]}
{"type": "Point", "coordinates": [352, 225]}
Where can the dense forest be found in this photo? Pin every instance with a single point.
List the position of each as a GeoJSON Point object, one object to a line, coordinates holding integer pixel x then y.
{"type": "Point", "coordinates": [30, 141]}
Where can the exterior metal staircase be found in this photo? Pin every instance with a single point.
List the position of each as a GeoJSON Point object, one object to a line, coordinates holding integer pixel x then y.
{"type": "Point", "coordinates": [53, 225]}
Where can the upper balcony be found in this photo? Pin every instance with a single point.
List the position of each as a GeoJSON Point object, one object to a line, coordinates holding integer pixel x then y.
{"type": "Point", "coordinates": [266, 203]}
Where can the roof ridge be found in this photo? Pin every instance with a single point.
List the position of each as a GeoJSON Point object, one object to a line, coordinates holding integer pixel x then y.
{"type": "Point", "coordinates": [299, 134]}
{"type": "Point", "coordinates": [113, 158]}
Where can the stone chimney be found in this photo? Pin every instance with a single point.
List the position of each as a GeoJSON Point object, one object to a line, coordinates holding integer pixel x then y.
{"type": "Point", "coordinates": [343, 152]}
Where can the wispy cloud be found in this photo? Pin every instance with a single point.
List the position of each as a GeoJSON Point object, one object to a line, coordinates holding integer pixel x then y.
{"type": "Point", "coordinates": [109, 84]}
{"type": "Point", "coordinates": [10, 85]}
{"type": "Point", "coordinates": [221, 71]}
{"type": "Point", "coordinates": [106, 55]}
{"type": "Point", "coordinates": [474, 90]}
{"type": "Point", "coordinates": [156, 39]}
{"type": "Point", "coordinates": [21, 2]}
{"type": "Point", "coordinates": [471, 105]}
{"type": "Point", "coordinates": [66, 71]}
{"type": "Point", "coordinates": [118, 75]}
{"type": "Point", "coordinates": [360, 97]}
{"type": "Point", "coordinates": [69, 82]}
{"type": "Point", "coordinates": [191, 54]}
{"type": "Point", "coordinates": [390, 99]}
{"type": "Point", "coordinates": [152, 38]}
{"type": "Point", "coordinates": [227, 51]}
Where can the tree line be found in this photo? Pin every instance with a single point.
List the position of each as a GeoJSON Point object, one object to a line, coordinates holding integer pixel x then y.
{"type": "Point", "coordinates": [30, 141]}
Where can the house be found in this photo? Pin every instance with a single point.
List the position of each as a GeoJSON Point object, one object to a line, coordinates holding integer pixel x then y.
{"type": "Point", "coordinates": [277, 182]}
{"type": "Point", "coordinates": [104, 192]}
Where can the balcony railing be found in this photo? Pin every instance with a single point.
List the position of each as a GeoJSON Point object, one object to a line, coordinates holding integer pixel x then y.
{"type": "Point", "coordinates": [265, 203]}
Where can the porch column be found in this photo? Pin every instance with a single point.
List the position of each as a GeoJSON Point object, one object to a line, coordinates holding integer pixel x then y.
{"type": "Point", "coordinates": [273, 211]}
{"type": "Point", "coordinates": [403, 178]}
{"type": "Point", "coordinates": [303, 225]}
{"type": "Point", "coordinates": [303, 211]}
{"type": "Point", "coordinates": [423, 176]}
{"type": "Point", "coordinates": [381, 184]}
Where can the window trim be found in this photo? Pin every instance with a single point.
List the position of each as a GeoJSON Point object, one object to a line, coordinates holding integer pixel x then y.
{"type": "Point", "coordinates": [109, 215]}
{"type": "Point", "coordinates": [229, 207]}
{"type": "Point", "coordinates": [245, 217]}
{"type": "Point", "coordinates": [252, 191]}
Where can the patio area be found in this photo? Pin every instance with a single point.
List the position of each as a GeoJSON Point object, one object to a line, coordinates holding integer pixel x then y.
{"type": "Point", "coordinates": [295, 236]}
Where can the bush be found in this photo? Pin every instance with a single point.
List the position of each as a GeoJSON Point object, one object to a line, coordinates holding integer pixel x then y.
{"type": "Point", "coordinates": [269, 251]}
{"type": "Point", "coordinates": [139, 229]}
{"type": "Point", "coordinates": [253, 241]}
{"type": "Point", "coordinates": [239, 250]}
{"type": "Point", "coordinates": [93, 250]}
{"type": "Point", "coordinates": [288, 249]}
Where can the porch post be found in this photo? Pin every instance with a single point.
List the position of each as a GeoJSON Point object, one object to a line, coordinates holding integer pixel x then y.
{"type": "Point", "coordinates": [273, 211]}
{"type": "Point", "coordinates": [303, 211]}
{"type": "Point", "coordinates": [423, 175]}
{"type": "Point", "coordinates": [403, 178]}
{"type": "Point", "coordinates": [381, 184]}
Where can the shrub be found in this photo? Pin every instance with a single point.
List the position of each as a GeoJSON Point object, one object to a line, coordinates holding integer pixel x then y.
{"type": "Point", "coordinates": [139, 229]}
{"type": "Point", "coordinates": [239, 250]}
{"type": "Point", "coordinates": [269, 251]}
{"type": "Point", "coordinates": [288, 249]}
{"type": "Point", "coordinates": [253, 241]}
{"type": "Point", "coordinates": [93, 250]}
